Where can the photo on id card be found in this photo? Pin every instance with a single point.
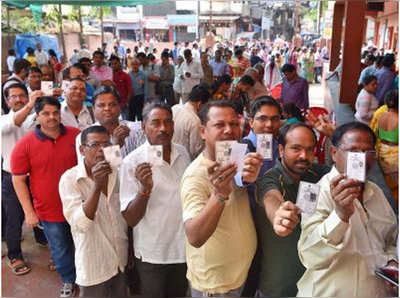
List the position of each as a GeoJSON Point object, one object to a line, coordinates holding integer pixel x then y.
{"type": "Point", "coordinates": [223, 150]}
{"type": "Point", "coordinates": [113, 155]}
{"type": "Point", "coordinates": [307, 197]}
{"type": "Point", "coordinates": [264, 145]}
{"type": "Point", "coordinates": [356, 166]}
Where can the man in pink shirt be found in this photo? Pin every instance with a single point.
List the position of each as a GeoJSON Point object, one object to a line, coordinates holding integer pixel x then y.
{"type": "Point", "coordinates": [99, 71]}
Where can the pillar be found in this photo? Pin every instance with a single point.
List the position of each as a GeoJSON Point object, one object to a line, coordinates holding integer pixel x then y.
{"type": "Point", "coordinates": [337, 29]}
{"type": "Point", "coordinates": [353, 38]}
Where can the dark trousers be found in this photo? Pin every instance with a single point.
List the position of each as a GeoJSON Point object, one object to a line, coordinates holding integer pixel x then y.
{"type": "Point", "coordinates": [114, 287]}
{"type": "Point", "coordinates": [167, 94]}
{"type": "Point", "coordinates": [62, 248]}
{"type": "Point", "coordinates": [159, 280]}
{"type": "Point", "coordinates": [15, 218]}
{"type": "Point", "coordinates": [136, 104]}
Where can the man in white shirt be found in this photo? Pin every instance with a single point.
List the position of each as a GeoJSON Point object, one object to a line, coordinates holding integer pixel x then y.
{"type": "Point", "coordinates": [187, 122]}
{"type": "Point", "coordinates": [191, 73]}
{"type": "Point", "coordinates": [73, 111]}
{"type": "Point", "coordinates": [151, 203]}
{"type": "Point", "coordinates": [353, 231]}
{"type": "Point", "coordinates": [90, 197]}
{"type": "Point", "coordinates": [14, 126]}
{"type": "Point", "coordinates": [40, 55]}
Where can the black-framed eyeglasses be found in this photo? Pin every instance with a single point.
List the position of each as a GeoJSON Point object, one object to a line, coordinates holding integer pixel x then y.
{"type": "Point", "coordinates": [96, 145]}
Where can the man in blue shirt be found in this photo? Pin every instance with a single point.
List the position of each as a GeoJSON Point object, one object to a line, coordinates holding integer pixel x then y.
{"type": "Point", "coordinates": [219, 66]}
{"type": "Point", "coordinates": [265, 117]}
{"type": "Point", "coordinates": [385, 77]}
{"type": "Point", "coordinates": [254, 59]}
{"type": "Point", "coordinates": [139, 82]}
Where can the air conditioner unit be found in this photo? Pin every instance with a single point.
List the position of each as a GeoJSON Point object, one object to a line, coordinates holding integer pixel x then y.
{"type": "Point", "coordinates": [375, 6]}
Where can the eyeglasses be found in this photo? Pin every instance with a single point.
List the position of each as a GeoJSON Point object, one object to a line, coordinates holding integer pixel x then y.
{"type": "Point", "coordinates": [96, 145]}
{"type": "Point", "coordinates": [370, 154]}
{"type": "Point", "coordinates": [263, 119]}
{"type": "Point", "coordinates": [20, 96]}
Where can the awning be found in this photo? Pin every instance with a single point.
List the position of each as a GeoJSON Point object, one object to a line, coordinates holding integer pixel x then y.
{"type": "Point", "coordinates": [24, 4]}
{"type": "Point", "coordinates": [155, 23]}
{"type": "Point", "coordinates": [181, 20]}
{"type": "Point", "coordinates": [219, 18]}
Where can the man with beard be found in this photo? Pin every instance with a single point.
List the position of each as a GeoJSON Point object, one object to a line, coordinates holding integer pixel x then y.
{"type": "Point", "coordinates": [278, 216]}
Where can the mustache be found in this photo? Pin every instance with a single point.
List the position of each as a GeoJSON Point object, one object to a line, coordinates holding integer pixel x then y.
{"type": "Point", "coordinates": [305, 162]}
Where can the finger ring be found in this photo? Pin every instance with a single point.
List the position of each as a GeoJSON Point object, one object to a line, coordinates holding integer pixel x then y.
{"type": "Point", "coordinates": [221, 177]}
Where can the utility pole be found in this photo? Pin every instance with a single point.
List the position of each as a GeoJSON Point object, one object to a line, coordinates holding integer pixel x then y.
{"type": "Point", "coordinates": [209, 28]}
{"type": "Point", "coordinates": [197, 19]}
{"type": "Point", "coordinates": [319, 17]}
{"type": "Point", "coordinates": [296, 18]}
{"type": "Point", "coordinates": [102, 25]}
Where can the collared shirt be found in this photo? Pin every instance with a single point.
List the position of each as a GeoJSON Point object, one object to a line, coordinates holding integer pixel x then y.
{"type": "Point", "coordinates": [45, 160]}
{"type": "Point", "coordinates": [219, 68]}
{"type": "Point", "coordinates": [187, 129]}
{"type": "Point", "coordinates": [177, 80]}
{"type": "Point", "coordinates": [41, 57]}
{"type": "Point", "coordinates": [101, 244]}
{"type": "Point", "coordinates": [296, 91]}
{"type": "Point", "coordinates": [221, 264]}
{"type": "Point", "coordinates": [341, 258]}
{"type": "Point", "coordinates": [385, 83]}
{"type": "Point", "coordinates": [208, 75]}
{"type": "Point", "coordinates": [280, 264]}
{"type": "Point", "coordinates": [366, 105]}
{"type": "Point", "coordinates": [124, 86]}
{"type": "Point", "coordinates": [81, 122]}
{"type": "Point", "coordinates": [159, 238]}
{"type": "Point", "coordinates": [135, 139]}
{"type": "Point", "coordinates": [151, 70]}
{"type": "Point", "coordinates": [11, 133]}
{"type": "Point", "coordinates": [137, 78]}
{"type": "Point", "coordinates": [10, 63]}
{"type": "Point", "coordinates": [101, 73]}
{"type": "Point", "coordinates": [196, 72]}
{"type": "Point", "coordinates": [167, 75]}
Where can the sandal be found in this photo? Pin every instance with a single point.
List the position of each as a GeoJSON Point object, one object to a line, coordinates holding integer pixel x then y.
{"type": "Point", "coordinates": [51, 266]}
{"type": "Point", "coordinates": [18, 266]}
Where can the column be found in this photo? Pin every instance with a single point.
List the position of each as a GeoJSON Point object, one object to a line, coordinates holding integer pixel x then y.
{"type": "Point", "coordinates": [337, 28]}
{"type": "Point", "coordinates": [353, 38]}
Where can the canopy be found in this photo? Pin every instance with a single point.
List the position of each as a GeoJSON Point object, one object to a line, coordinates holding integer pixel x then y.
{"type": "Point", "coordinates": [24, 4]}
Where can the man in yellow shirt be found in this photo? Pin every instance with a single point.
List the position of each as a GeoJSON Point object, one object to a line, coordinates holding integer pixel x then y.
{"type": "Point", "coordinates": [221, 238]}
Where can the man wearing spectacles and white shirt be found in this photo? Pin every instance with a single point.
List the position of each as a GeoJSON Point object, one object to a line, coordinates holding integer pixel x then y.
{"type": "Point", "coordinates": [90, 198]}
{"type": "Point", "coordinates": [73, 111]}
{"type": "Point", "coordinates": [353, 231]}
{"type": "Point", "coordinates": [107, 112]}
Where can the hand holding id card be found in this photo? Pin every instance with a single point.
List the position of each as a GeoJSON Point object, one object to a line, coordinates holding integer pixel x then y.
{"type": "Point", "coordinates": [47, 87]}
{"type": "Point", "coordinates": [264, 145]}
{"type": "Point", "coordinates": [223, 150]}
{"type": "Point", "coordinates": [356, 166]}
{"type": "Point", "coordinates": [113, 155]}
{"type": "Point", "coordinates": [307, 197]}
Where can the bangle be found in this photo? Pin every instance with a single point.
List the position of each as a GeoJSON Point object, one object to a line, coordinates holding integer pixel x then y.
{"type": "Point", "coordinates": [221, 200]}
{"type": "Point", "coordinates": [145, 193]}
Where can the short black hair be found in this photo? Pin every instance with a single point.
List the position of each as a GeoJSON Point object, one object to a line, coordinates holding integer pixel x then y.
{"type": "Point", "coordinates": [238, 52]}
{"type": "Point", "coordinates": [78, 79]}
{"type": "Point", "coordinates": [141, 55]}
{"type": "Point", "coordinates": [378, 60]}
{"type": "Point", "coordinates": [11, 52]}
{"type": "Point", "coordinates": [157, 104]}
{"type": "Point", "coordinates": [20, 64]}
{"type": "Point", "coordinates": [66, 74]}
{"type": "Point", "coordinates": [340, 131]}
{"type": "Point", "coordinates": [388, 60]}
{"type": "Point", "coordinates": [98, 53]}
{"type": "Point", "coordinates": [292, 109]}
{"type": "Point", "coordinates": [369, 79]}
{"type": "Point", "coordinates": [164, 55]}
{"type": "Point", "coordinates": [13, 86]}
{"type": "Point", "coordinates": [113, 57]}
{"type": "Point", "coordinates": [221, 80]}
{"type": "Point", "coordinates": [106, 90]}
{"type": "Point", "coordinates": [259, 102]}
{"type": "Point", "coordinates": [199, 93]}
{"type": "Point", "coordinates": [93, 129]}
{"type": "Point", "coordinates": [83, 59]}
{"type": "Point", "coordinates": [205, 109]}
{"type": "Point", "coordinates": [288, 68]}
{"type": "Point", "coordinates": [289, 128]}
{"type": "Point", "coordinates": [187, 52]}
{"type": "Point", "coordinates": [35, 69]}
{"type": "Point", "coordinates": [392, 99]}
{"type": "Point", "coordinates": [46, 100]}
{"type": "Point", "coordinates": [247, 80]}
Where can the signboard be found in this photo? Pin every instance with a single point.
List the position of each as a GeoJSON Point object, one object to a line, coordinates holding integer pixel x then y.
{"type": "Point", "coordinates": [155, 23]}
{"type": "Point", "coordinates": [191, 29]}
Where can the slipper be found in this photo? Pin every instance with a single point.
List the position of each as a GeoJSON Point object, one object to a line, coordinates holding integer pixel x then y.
{"type": "Point", "coordinates": [20, 268]}
{"type": "Point", "coordinates": [51, 266]}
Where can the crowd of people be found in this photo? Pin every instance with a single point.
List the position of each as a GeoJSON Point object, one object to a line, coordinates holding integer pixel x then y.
{"type": "Point", "coordinates": [115, 168]}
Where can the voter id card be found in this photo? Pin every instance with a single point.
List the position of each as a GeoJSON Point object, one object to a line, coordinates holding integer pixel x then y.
{"type": "Point", "coordinates": [356, 166]}
{"type": "Point", "coordinates": [307, 197]}
{"type": "Point", "coordinates": [113, 155]}
{"type": "Point", "coordinates": [155, 155]}
{"type": "Point", "coordinates": [264, 145]}
{"type": "Point", "coordinates": [223, 150]}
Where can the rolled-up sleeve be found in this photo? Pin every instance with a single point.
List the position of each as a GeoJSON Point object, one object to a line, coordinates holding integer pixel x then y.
{"type": "Point", "coordinates": [322, 235]}
{"type": "Point", "coordinates": [72, 201]}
